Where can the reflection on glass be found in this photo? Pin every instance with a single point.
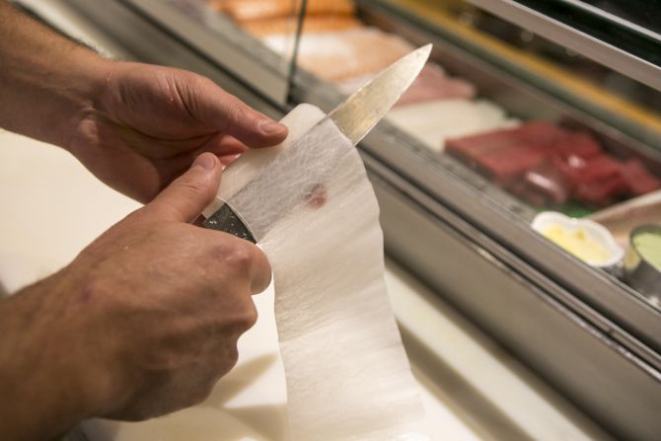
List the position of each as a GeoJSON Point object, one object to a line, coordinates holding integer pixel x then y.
{"type": "Point", "coordinates": [644, 13]}
{"type": "Point", "coordinates": [253, 19]}
{"type": "Point", "coordinates": [554, 164]}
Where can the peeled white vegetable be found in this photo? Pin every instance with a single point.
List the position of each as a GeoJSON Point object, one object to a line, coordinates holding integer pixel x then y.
{"type": "Point", "coordinates": [309, 204]}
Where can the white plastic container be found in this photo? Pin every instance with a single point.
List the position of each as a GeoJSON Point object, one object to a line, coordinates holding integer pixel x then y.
{"type": "Point", "coordinates": [593, 232]}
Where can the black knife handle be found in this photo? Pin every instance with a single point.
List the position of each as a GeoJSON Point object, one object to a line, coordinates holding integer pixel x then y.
{"type": "Point", "coordinates": [226, 220]}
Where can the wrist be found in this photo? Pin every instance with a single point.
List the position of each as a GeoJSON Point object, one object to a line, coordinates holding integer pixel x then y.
{"type": "Point", "coordinates": [88, 78]}
{"type": "Point", "coordinates": [50, 376]}
{"type": "Point", "coordinates": [91, 355]}
{"type": "Point", "coordinates": [81, 341]}
{"type": "Point", "coordinates": [46, 81]}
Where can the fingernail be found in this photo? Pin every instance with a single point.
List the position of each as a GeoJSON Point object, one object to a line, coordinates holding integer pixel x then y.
{"type": "Point", "coordinates": [206, 161]}
{"type": "Point", "coordinates": [270, 127]}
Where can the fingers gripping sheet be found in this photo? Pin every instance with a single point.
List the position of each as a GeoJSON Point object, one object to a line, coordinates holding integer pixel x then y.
{"type": "Point", "coordinates": [310, 206]}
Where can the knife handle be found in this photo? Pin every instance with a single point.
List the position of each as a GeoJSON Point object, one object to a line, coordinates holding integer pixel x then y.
{"type": "Point", "coordinates": [227, 221]}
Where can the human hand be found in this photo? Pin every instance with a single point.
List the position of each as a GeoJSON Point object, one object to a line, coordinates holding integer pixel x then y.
{"type": "Point", "coordinates": [148, 123]}
{"type": "Point", "coordinates": [143, 322]}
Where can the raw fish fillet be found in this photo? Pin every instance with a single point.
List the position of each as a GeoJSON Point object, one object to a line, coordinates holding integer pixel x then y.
{"type": "Point", "coordinates": [544, 185]}
{"type": "Point", "coordinates": [340, 56]}
{"type": "Point", "coordinates": [433, 85]}
{"type": "Point", "coordinates": [506, 165]}
{"type": "Point", "coordinates": [216, 5]}
{"type": "Point", "coordinates": [578, 144]}
{"type": "Point", "coordinates": [269, 26]}
{"type": "Point", "coordinates": [603, 180]}
{"type": "Point", "coordinates": [547, 165]}
{"type": "Point", "coordinates": [434, 122]}
{"type": "Point", "coordinates": [600, 192]}
{"type": "Point", "coordinates": [637, 178]}
{"type": "Point", "coordinates": [242, 10]}
{"type": "Point", "coordinates": [534, 134]}
{"type": "Point", "coordinates": [582, 170]}
{"type": "Point", "coordinates": [507, 154]}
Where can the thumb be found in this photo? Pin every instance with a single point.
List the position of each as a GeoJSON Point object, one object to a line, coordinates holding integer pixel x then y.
{"type": "Point", "coordinates": [185, 198]}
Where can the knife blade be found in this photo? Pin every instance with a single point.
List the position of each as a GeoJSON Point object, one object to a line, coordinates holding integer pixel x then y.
{"type": "Point", "coordinates": [355, 117]}
{"type": "Point", "coordinates": [359, 113]}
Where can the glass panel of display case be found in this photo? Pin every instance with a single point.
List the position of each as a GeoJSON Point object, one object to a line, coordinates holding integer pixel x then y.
{"type": "Point", "coordinates": [530, 126]}
{"type": "Point", "coordinates": [614, 24]}
{"type": "Point", "coordinates": [592, 156]}
{"type": "Point", "coordinates": [595, 165]}
{"type": "Point", "coordinates": [240, 26]}
{"type": "Point", "coordinates": [632, 25]}
{"type": "Point", "coordinates": [643, 13]}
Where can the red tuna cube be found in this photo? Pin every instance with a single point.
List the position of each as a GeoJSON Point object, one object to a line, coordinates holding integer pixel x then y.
{"type": "Point", "coordinates": [637, 178]}
{"type": "Point", "coordinates": [506, 165]}
{"type": "Point", "coordinates": [601, 192]}
{"type": "Point", "coordinates": [546, 183]}
{"type": "Point", "coordinates": [580, 170]}
{"type": "Point", "coordinates": [535, 133]}
{"type": "Point", "coordinates": [528, 194]}
{"type": "Point", "coordinates": [579, 144]}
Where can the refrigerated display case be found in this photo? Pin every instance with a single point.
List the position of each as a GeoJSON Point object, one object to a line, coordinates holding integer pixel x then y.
{"type": "Point", "coordinates": [525, 107]}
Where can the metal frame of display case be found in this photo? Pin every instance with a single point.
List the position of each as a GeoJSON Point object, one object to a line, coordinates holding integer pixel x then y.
{"type": "Point", "coordinates": [503, 217]}
{"type": "Point", "coordinates": [234, 49]}
{"type": "Point", "coordinates": [525, 14]}
{"type": "Point", "coordinates": [590, 336]}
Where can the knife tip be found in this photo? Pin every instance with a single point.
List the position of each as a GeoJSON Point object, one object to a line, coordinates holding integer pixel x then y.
{"type": "Point", "coordinates": [425, 50]}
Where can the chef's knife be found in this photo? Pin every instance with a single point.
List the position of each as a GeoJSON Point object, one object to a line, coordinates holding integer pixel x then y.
{"type": "Point", "coordinates": [355, 117]}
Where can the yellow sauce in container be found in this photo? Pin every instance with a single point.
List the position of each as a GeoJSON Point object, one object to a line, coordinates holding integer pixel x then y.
{"type": "Point", "coordinates": [578, 242]}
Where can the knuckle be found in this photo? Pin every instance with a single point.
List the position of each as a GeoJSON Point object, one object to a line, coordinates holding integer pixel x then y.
{"type": "Point", "coordinates": [227, 357]}
{"type": "Point", "coordinates": [232, 357]}
{"type": "Point", "coordinates": [200, 395]}
{"type": "Point", "coordinates": [239, 257]}
{"type": "Point", "coordinates": [235, 109]}
{"type": "Point", "coordinates": [250, 315]}
{"type": "Point", "coordinates": [245, 318]}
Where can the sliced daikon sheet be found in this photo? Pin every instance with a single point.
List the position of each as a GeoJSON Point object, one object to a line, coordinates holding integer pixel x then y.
{"type": "Point", "coordinates": [313, 211]}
